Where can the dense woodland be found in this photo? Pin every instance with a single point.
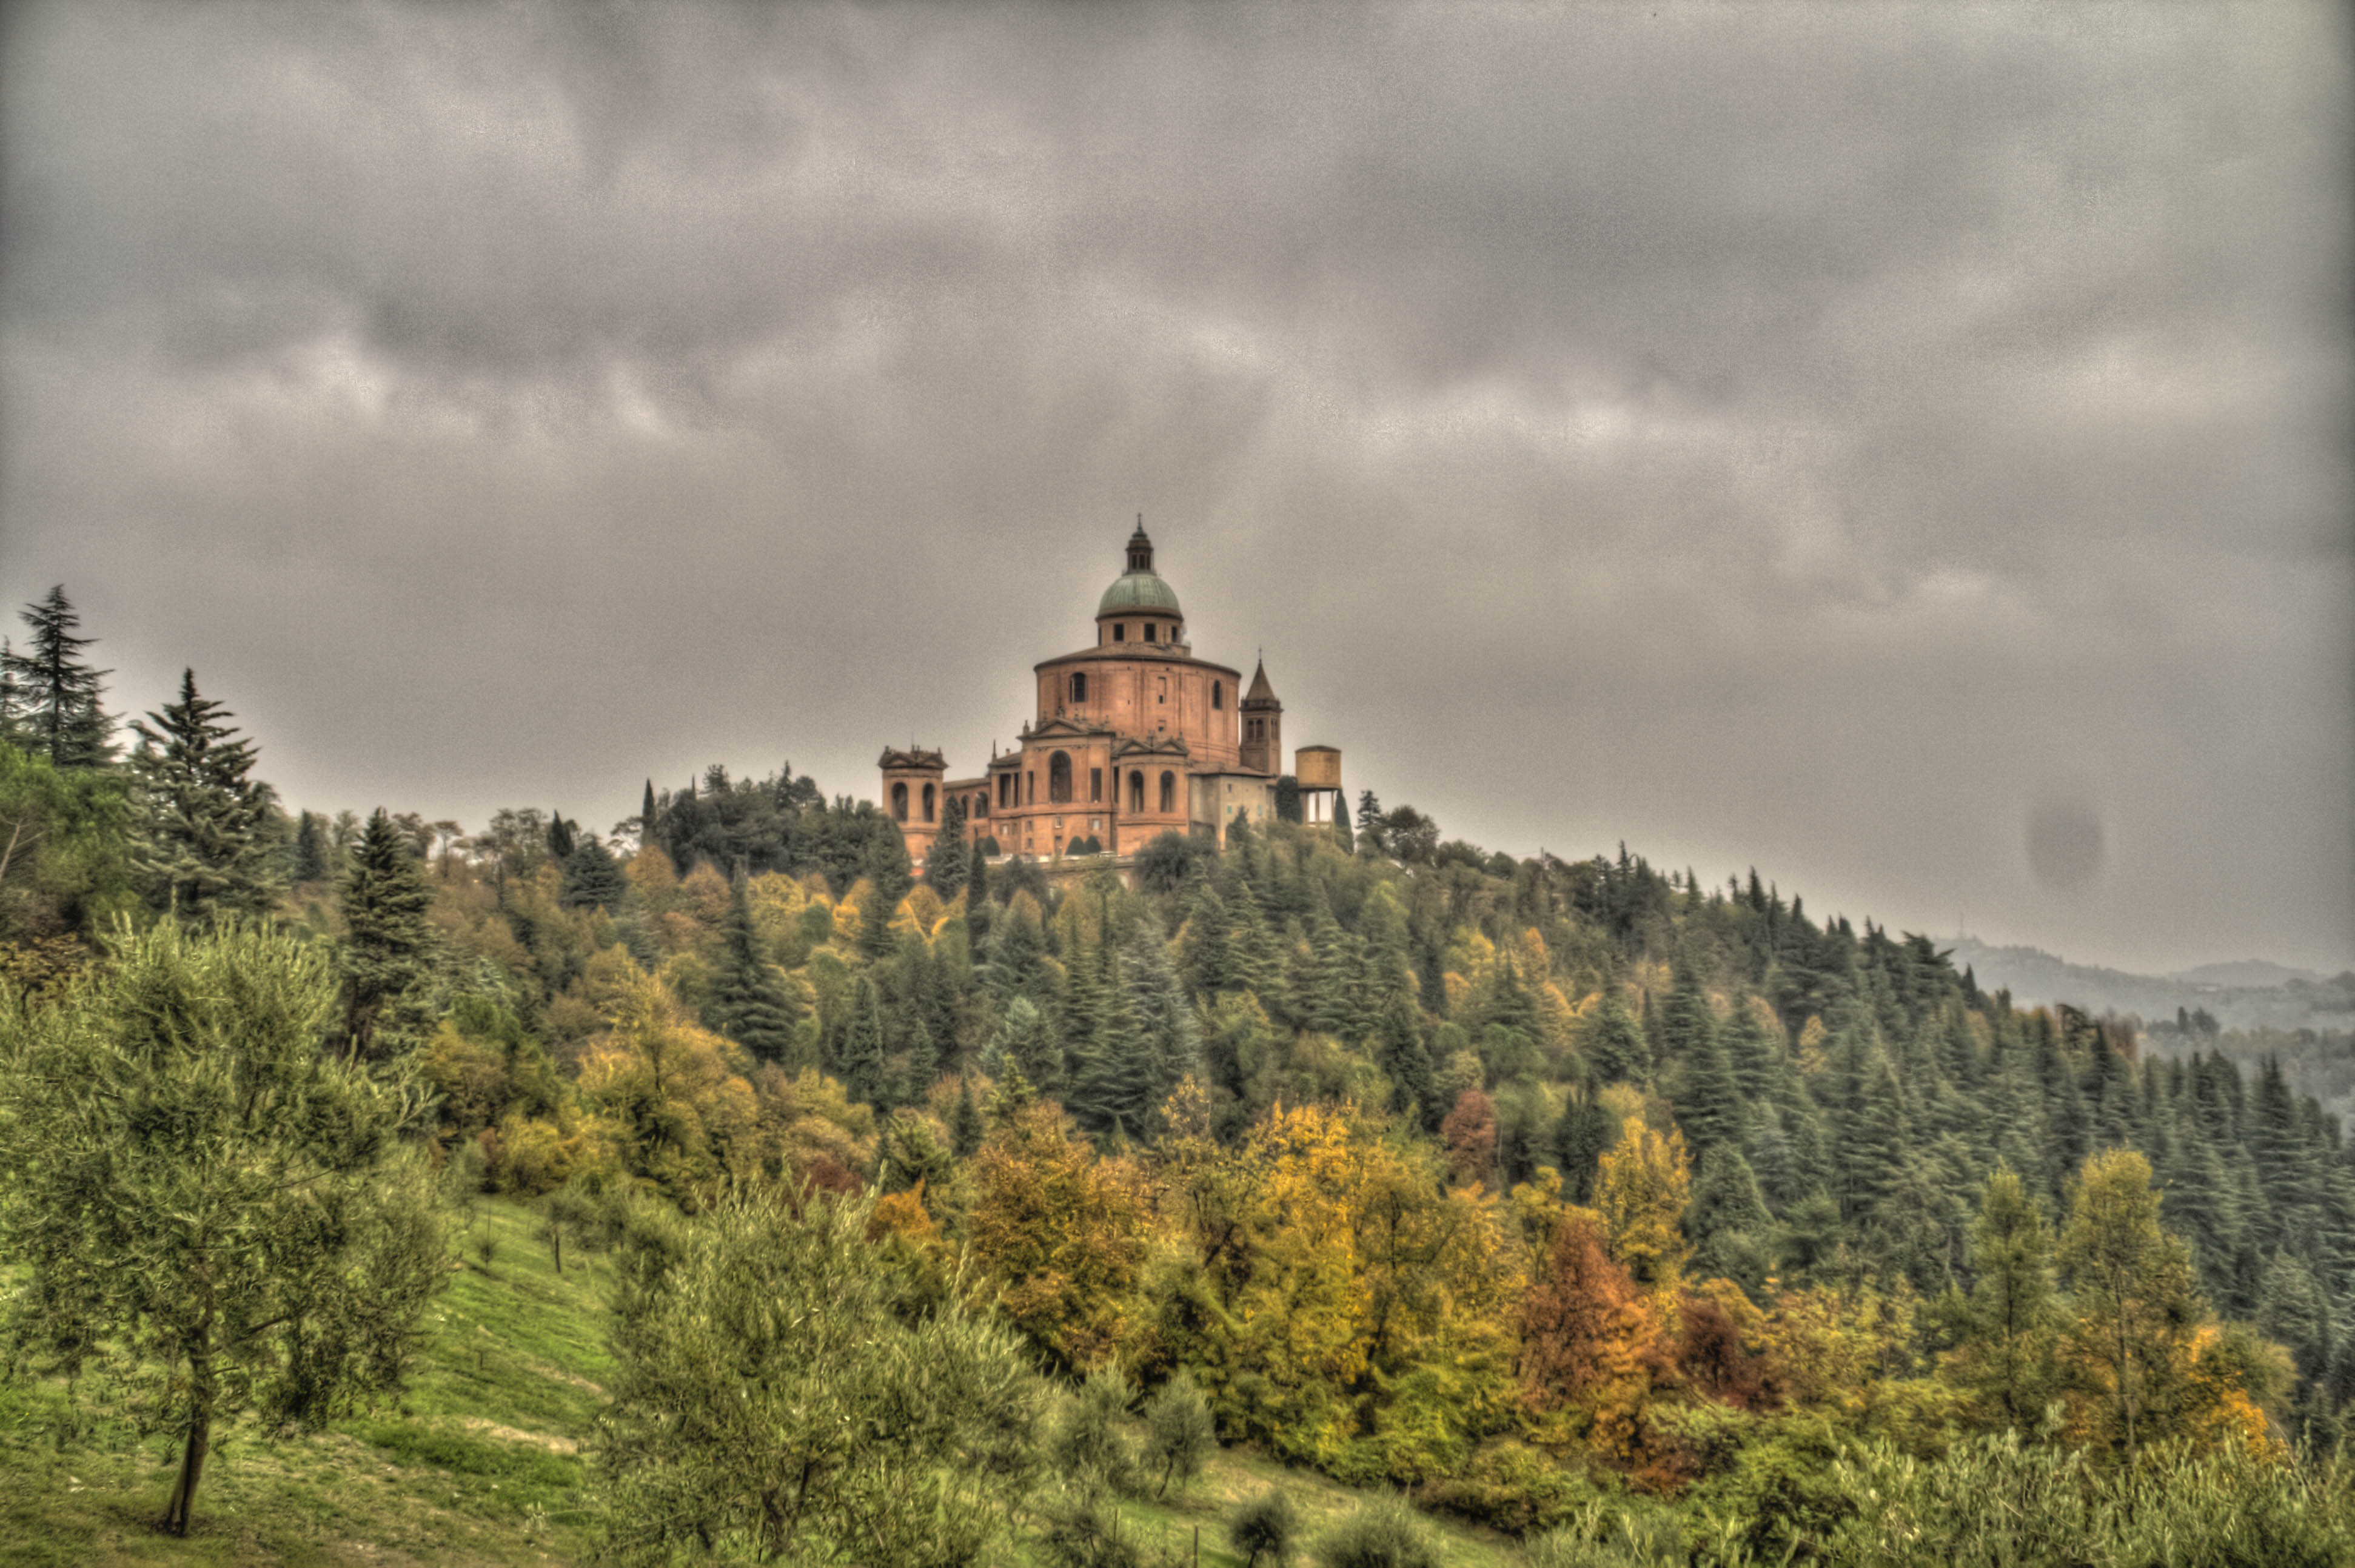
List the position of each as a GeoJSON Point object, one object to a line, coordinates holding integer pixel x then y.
{"type": "Point", "coordinates": [1521, 1186]}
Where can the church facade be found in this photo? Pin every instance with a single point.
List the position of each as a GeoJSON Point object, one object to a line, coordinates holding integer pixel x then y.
{"type": "Point", "coordinates": [1134, 737]}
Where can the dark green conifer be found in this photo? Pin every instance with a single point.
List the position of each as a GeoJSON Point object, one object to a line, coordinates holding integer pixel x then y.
{"type": "Point", "coordinates": [966, 1131]}
{"type": "Point", "coordinates": [387, 943]}
{"type": "Point", "coordinates": [1405, 1060]}
{"type": "Point", "coordinates": [1585, 1131]}
{"type": "Point", "coordinates": [55, 692]}
{"type": "Point", "coordinates": [945, 864]}
{"type": "Point", "coordinates": [747, 1002]}
{"type": "Point", "coordinates": [862, 1057]}
{"type": "Point", "coordinates": [1615, 1046]}
{"type": "Point", "coordinates": [202, 846]}
{"type": "Point", "coordinates": [310, 850]}
{"type": "Point", "coordinates": [592, 878]}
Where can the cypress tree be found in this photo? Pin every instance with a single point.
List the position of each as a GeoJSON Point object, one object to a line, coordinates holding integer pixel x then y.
{"type": "Point", "coordinates": [862, 1044]}
{"type": "Point", "coordinates": [945, 863]}
{"type": "Point", "coordinates": [966, 1130]}
{"type": "Point", "coordinates": [56, 691]}
{"type": "Point", "coordinates": [310, 850]}
{"type": "Point", "coordinates": [649, 817]}
{"type": "Point", "coordinates": [746, 1002]}
{"type": "Point", "coordinates": [1406, 1061]}
{"type": "Point", "coordinates": [562, 836]}
{"type": "Point", "coordinates": [387, 942]}
{"type": "Point", "coordinates": [202, 846]}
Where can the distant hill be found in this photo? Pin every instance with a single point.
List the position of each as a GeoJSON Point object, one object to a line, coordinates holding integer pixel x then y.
{"type": "Point", "coordinates": [2247, 995]}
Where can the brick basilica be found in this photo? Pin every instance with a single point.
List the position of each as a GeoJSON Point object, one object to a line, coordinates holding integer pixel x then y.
{"type": "Point", "coordinates": [1134, 737]}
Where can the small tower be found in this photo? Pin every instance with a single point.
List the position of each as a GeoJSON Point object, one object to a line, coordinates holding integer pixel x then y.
{"type": "Point", "coordinates": [1262, 721]}
{"type": "Point", "coordinates": [1317, 770]}
{"type": "Point", "coordinates": [913, 796]}
{"type": "Point", "coordinates": [1140, 549]}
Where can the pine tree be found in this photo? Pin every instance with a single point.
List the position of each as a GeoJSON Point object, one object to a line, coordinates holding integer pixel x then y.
{"type": "Point", "coordinates": [1614, 1045]}
{"type": "Point", "coordinates": [1727, 1219]}
{"type": "Point", "coordinates": [1585, 1130]}
{"type": "Point", "coordinates": [966, 1131]}
{"type": "Point", "coordinates": [945, 865]}
{"type": "Point", "coordinates": [1708, 1101]}
{"type": "Point", "coordinates": [1405, 1060]}
{"type": "Point", "coordinates": [202, 846]}
{"type": "Point", "coordinates": [55, 693]}
{"type": "Point", "coordinates": [1025, 1046]}
{"type": "Point", "coordinates": [746, 1003]}
{"type": "Point", "coordinates": [592, 878]}
{"type": "Point", "coordinates": [387, 943]}
{"type": "Point", "coordinates": [310, 850]}
{"type": "Point", "coordinates": [862, 1044]}
{"type": "Point", "coordinates": [2006, 1357]}
{"type": "Point", "coordinates": [1167, 1026]}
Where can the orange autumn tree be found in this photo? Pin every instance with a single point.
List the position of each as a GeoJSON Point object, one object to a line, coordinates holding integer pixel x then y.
{"type": "Point", "coordinates": [1587, 1334]}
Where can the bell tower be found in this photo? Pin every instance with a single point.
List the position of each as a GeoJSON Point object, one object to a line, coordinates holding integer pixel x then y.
{"type": "Point", "coordinates": [1262, 721]}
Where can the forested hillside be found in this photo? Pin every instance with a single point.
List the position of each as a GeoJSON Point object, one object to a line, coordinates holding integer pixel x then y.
{"type": "Point", "coordinates": [1549, 1191]}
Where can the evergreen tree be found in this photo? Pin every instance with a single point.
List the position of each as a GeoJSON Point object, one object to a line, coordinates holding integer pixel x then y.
{"type": "Point", "coordinates": [746, 1002]}
{"type": "Point", "coordinates": [966, 1131]}
{"type": "Point", "coordinates": [888, 874]}
{"type": "Point", "coordinates": [1405, 1060]}
{"type": "Point", "coordinates": [55, 692]}
{"type": "Point", "coordinates": [1025, 1046]}
{"type": "Point", "coordinates": [945, 864]}
{"type": "Point", "coordinates": [1708, 1101]}
{"type": "Point", "coordinates": [1585, 1130]}
{"type": "Point", "coordinates": [2006, 1357]}
{"type": "Point", "coordinates": [592, 878]}
{"type": "Point", "coordinates": [1614, 1045]}
{"type": "Point", "coordinates": [649, 818]}
{"type": "Point", "coordinates": [387, 943]}
{"type": "Point", "coordinates": [1167, 1031]}
{"type": "Point", "coordinates": [862, 1044]}
{"type": "Point", "coordinates": [203, 850]}
{"type": "Point", "coordinates": [1727, 1218]}
{"type": "Point", "coordinates": [310, 850]}
{"type": "Point", "coordinates": [564, 837]}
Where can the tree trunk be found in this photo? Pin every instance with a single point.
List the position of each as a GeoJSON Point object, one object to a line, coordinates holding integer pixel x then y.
{"type": "Point", "coordinates": [182, 1508]}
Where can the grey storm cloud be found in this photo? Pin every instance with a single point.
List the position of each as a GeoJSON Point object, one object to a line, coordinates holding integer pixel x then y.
{"type": "Point", "coordinates": [1808, 436]}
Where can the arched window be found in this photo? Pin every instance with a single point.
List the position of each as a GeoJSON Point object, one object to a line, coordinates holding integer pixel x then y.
{"type": "Point", "coordinates": [1168, 792]}
{"type": "Point", "coordinates": [1217, 695]}
{"type": "Point", "coordinates": [928, 803]}
{"type": "Point", "coordinates": [1137, 793]}
{"type": "Point", "coordinates": [1079, 687]}
{"type": "Point", "coordinates": [1059, 777]}
{"type": "Point", "coordinates": [899, 803]}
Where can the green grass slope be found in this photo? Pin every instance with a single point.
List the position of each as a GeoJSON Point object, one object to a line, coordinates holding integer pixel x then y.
{"type": "Point", "coordinates": [476, 1462]}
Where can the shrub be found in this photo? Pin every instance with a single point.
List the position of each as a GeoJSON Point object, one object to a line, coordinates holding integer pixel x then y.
{"type": "Point", "coordinates": [1089, 1447]}
{"type": "Point", "coordinates": [1079, 1527]}
{"type": "Point", "coordinates": [1509, 1486]}
{"type": "Point", "coordinates": [1264, 1525]}
{"type": "Point", "coordinates": [1178, 1434]}
{"type": "Point", "coordinates": [1383, 1533]}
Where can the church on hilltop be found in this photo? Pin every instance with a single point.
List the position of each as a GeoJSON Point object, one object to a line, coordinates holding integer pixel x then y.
{"type": "Point", "coordinates": [1134, 737]}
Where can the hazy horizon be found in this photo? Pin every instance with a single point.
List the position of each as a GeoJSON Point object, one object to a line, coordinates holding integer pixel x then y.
{"type": "Point", "coordinates": [1900, 450]}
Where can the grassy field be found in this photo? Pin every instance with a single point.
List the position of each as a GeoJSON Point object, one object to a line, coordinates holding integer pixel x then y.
{"type": "Point", "coordinates": [477, 1463]}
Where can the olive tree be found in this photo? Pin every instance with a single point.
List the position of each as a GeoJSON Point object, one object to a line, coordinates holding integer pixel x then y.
{"type": "Point", "coordinates": [203, 1199]}
{"type": "Point", "coordinates": [790, 1390]}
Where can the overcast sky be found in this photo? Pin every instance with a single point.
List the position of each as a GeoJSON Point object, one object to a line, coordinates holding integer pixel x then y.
{"type": "Point", "coordinates": [1901, 448]}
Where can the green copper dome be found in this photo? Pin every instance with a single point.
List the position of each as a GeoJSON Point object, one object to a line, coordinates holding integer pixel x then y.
{"type": "Point", "coordinates": [1141, 587]}
{"type": "Point", "coordinates": [1139, 590]}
